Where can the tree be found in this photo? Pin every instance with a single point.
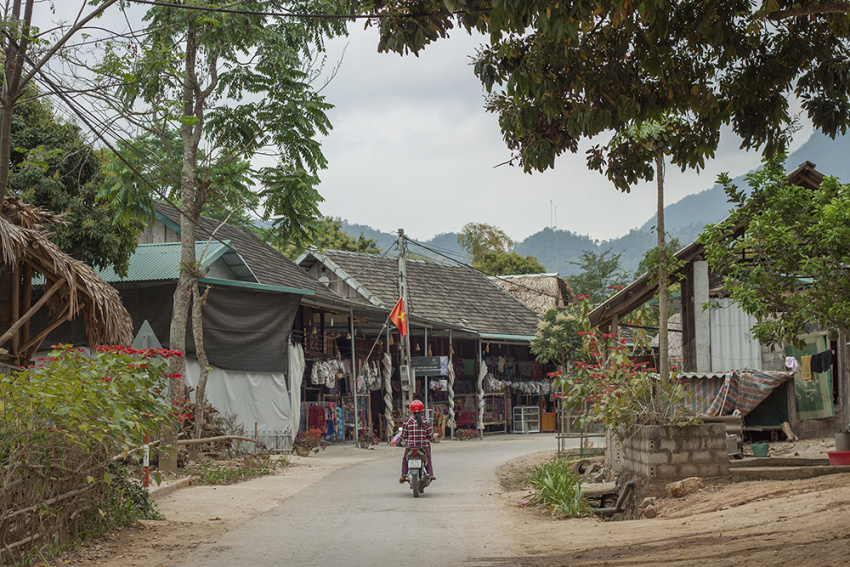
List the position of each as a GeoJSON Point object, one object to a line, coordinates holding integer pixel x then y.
{"type": "Point", "coordinates": [55, 168]}
{"type": "Point", "coordinates": [239, 83]}
{"type": "Point", "coordinates": [24, 53]}
{"type": "Point", "coordinates": [331, 236]}
{"type": "Point", "coordinates": [560, 72]}
{"type": "Point", "coordinates": [558, 337]}
{"type": "Point", "coordinates": [492, 251]}
{"type": "Point", "coordinates": [507, 264]}
{"type": "Point", "coordinates": [477, 238]}
{"type": "Point", "coordinates": [789, 267]}
{"type": "Point", "coordinates": [601, 275]}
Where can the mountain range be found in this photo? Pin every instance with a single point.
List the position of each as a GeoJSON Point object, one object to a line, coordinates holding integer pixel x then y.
{"type": "Point", "coordinates": [558, 250]}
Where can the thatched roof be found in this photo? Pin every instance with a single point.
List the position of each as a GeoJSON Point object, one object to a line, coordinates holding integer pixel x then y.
{"type": "Point", "coordinates": [539, 292]}
{"type": "Point", "coordinates": [24, 239]}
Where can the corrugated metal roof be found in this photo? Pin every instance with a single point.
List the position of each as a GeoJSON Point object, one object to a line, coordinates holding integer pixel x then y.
{"type": "Point", "coordinates": [161, 262]}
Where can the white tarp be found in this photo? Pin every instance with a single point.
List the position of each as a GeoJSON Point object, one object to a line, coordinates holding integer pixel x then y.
{"type": "Point", "coordinates": [297, 365]}
{"type": "Point", "coordinates": [254, 397]}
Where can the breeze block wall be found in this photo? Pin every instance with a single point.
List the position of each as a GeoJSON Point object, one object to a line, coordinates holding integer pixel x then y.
{"type": "Point", "coordinates": [665, 452]}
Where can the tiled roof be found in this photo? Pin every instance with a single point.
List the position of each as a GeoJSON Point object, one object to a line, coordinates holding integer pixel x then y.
{"type": "Point", "coordinates": [268, 265]}
{"type": "Point", "coordinates": [456, 295]}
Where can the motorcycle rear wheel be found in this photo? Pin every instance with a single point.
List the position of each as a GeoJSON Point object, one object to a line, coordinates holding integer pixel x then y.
{"type": "Point", "coordinates": [414, 483]}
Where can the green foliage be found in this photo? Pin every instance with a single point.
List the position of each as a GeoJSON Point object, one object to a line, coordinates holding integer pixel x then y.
{"type": "Point", "coordinates": [108, 399]}
{"type": "Point", "coordinates": [506, 264]}
{"type": "Point", "coordinates": [561, 72]}
{"type": "Point", "coordinates": [55, 168]}
{"type": "Point", "coordinates": [478, 238]}
{"type": "Point", "coordinates": [213, 472]}
{"type": "Point", "coordinates": [601, 275]}
{"type": "Point", "coordinates": [651, 259]}
{"type": "Point", "coordinates": [329, 235]}
{"type": "Point", "coordinates": [61, 422]}
{"type": "Point", "coordinates": [558, 339]}
{"type": "Point", "coordinates": [789, 267]}
{"type": "Point", "coordinates": [558, 487]}
{"type": "Point", "coordinates": [251, 93]}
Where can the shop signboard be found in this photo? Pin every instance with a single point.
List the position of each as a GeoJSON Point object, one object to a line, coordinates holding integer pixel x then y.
{"type": "Point", "coordinates": [430, 365]}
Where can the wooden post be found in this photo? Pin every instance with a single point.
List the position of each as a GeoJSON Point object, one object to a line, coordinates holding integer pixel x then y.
{"type": "Point", "coordinates": [146, 462]}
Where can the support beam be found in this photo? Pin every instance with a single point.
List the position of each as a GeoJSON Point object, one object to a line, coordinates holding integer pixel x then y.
{"type": "Point", "coordinates": [32, 311]}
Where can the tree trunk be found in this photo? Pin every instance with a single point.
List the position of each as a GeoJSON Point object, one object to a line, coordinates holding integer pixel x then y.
{"type": "Point", "coordinates": [198, 302]}
{"type": "Point", "coordinates": [663, 361]}
{"type": "Point", "coordinates": [190, 136]}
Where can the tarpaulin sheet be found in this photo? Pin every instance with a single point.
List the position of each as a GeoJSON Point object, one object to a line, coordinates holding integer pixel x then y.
{"type": "Point", "coordinates": [743, 390]}
{"type": "Point", "coordinates": [244, 330]}
{"type": "Point", "coordinates": [255, 398]}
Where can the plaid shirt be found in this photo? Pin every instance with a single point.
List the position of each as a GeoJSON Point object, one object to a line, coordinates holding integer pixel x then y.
{"type": "Point", "coordinates": [415, 435]}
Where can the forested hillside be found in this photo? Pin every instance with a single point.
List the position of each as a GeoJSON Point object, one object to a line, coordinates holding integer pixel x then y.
{"type": "Point", "coordinates": [557, 249]}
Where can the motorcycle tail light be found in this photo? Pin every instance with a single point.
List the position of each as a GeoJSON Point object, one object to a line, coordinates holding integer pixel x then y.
{"type": "Point", "coordinates": [414, 453]}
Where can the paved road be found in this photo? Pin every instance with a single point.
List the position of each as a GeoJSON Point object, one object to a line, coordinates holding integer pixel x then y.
{"type": "Point", "coordinates": [361, 517]}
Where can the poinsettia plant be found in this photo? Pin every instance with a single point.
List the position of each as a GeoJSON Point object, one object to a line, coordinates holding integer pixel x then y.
{"type": "Point", "coordinates": [612, 388]}
{"type": "Point", "coordinates": [310, 438]}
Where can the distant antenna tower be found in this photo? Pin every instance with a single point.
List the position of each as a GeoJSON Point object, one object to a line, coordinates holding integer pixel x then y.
{"type": "Point", "coordinates": [551, 219]}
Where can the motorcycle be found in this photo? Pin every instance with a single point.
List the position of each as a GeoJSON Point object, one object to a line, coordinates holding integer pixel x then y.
{"type": "Point", "coordinates": [417, 475]}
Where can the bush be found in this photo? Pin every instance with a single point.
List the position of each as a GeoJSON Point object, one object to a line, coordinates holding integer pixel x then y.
{"type": "Point", "coordinates": [558, 487]}
{"type": "Point", "coordinates": [61, 422]}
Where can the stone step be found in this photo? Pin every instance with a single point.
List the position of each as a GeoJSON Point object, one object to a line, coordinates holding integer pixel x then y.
{"type": "Point", "coordinates": [778, 462]}
{"type": "Point", "coordinates": [742, 474]}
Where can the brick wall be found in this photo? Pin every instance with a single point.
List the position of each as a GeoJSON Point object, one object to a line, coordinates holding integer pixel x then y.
{"type": "Point", "coordinates": [672, 453]}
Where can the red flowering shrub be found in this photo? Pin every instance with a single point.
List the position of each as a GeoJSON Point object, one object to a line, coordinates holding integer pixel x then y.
{"type": "Point", "coordinates": [614, 390]}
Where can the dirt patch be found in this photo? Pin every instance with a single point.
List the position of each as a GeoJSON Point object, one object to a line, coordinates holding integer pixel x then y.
{"type": "Point", "coordinates": [758, 524]}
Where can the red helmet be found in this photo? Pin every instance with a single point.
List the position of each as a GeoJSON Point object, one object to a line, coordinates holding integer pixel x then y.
{"type": "Point", "coordinates": [417, 406]}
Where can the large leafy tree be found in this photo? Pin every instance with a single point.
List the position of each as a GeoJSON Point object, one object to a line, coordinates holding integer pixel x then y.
{"type": "Point", "coordinates": [492, 251]}
{"type": "Point", "coordinates": [789, 269]}
{"type": "Point", "coordinates": [601, 275]}
{"type": "Point", "coordinates": [55, 168]}
{"type": "Point", "coordinates": [234, 83]}
{"type": "Point", "coordinates": [559, 72]}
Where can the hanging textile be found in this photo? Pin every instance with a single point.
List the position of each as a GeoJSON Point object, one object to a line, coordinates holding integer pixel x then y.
{"type": "Point", "coordinates": [814, 397]}
{"type": "Point", "coordinates": [297, 366]}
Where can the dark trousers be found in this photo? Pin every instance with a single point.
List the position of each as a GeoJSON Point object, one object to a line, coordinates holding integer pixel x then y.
{"type": "Point", "coordinates": [429, 464]}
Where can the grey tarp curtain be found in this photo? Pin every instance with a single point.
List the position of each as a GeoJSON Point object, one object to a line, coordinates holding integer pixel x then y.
{"type": "Point", "coordinates": [244, 330]}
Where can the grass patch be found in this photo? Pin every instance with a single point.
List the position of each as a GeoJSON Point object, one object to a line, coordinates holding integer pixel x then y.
{"type": "Point", "coordinates": [557, 487]}
{"type": "Point", "coordinates": [228, 472]}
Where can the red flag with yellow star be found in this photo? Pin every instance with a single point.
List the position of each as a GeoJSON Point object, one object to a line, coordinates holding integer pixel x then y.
{"type": "Point", "coordinates": [399, 317]}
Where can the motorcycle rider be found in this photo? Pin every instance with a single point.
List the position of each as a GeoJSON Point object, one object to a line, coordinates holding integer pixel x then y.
{"type": "Point", "coordinates": [417, 432]}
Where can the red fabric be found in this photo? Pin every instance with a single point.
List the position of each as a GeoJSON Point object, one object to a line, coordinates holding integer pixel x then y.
{"type": "Point", "coordinates": [399, 317]}
{"type": "Point", "coordinates": [415, 435]}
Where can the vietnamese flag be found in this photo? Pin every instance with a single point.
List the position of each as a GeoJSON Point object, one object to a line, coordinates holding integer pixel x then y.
{"type": "Point", "coordinates": [399, 317]}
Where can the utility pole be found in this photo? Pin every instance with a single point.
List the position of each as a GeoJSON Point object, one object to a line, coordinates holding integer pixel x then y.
{"type": "Point", "coordinates": [405, 370]}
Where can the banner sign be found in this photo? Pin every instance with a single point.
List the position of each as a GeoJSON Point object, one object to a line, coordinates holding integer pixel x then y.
{"type": "Point", "coordinates": [430, 365]}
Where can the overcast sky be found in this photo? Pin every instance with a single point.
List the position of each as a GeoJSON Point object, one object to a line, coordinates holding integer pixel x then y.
{"type": "Point", "coordinates": [413, 148]}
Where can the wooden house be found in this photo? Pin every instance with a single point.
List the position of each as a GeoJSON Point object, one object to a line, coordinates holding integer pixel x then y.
{"type": "Point", "coordinates": [717, 341]}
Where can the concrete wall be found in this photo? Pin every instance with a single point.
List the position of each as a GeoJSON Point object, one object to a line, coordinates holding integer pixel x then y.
{"type": "Point", "coordinates": [672, 453]}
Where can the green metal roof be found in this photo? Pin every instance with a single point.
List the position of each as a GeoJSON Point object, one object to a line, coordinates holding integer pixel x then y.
{"type": "Point", "coordinates": [160, 262]}
{"type": "Point", "coordinates": [256, 286]}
